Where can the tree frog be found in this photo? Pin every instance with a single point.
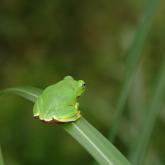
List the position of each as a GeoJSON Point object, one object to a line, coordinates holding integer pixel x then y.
{"type": "Point", "coordinates": [59, 102]}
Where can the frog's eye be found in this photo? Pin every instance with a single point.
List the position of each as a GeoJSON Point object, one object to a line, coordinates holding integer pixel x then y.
{"type": "Point", "coordinates": [84, 84]}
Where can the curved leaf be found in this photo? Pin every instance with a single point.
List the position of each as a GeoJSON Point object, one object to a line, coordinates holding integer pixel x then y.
{"type": "Point", "coordinates": [92, 140]}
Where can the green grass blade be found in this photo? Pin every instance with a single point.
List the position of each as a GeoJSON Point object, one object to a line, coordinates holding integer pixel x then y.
{"type": "Point", "coordinates": [134, 55]}
{"type": "Point", "coordinates": [95, 143]}
{"type": "Point", "coordinates": [82, 131]}
{"type": "Point", "coordinates": [30, 93]}
{"type": "Point", "coordinates": [154, 107]}
{"type": "Point", "coordinates": [1, 157]}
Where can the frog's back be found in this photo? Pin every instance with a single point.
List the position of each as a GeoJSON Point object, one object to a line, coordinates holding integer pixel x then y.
{"type": "Point", "coordinates": [59, 93]}
{"type": "Point", "coordinates": [55, 97]}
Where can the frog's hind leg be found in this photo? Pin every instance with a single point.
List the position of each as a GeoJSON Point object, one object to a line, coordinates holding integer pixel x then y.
{"type": "Point", "coordinates": [67, 114]}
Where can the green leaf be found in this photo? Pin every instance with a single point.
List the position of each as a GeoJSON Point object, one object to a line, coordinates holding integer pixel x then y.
{"type": "Point", "coordinates": [30, 93]}
{"type": "Point", "coordinates": [1, 157]}
{"type": "Point", "coordinates": [151, 114]}
{"type": "Point", "coordinates": [82, 131]}
{"type": "Point", "coordinates": [134, 55]}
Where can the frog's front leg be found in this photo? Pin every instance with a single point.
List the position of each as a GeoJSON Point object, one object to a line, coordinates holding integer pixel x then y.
{"type": "Point", "coordinates": [76, 105]}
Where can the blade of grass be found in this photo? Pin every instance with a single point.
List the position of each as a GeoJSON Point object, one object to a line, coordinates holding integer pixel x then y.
{"type": "Point", "coordinates": [133, 58]}
{"type": "Point", "coordinates": [92, 140]}
{"type": "Point", "coordinates": [152, 113]}
{"type": "Point", "coordinates": [1, 157]}
{"type": "Point", "coordinates": [29, 93]}
{"type": "Point", "coordinates": [95, 143]}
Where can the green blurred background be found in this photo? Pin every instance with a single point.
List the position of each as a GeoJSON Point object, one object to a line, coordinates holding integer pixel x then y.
{"type": "Point", "coordinates": [42, 41]}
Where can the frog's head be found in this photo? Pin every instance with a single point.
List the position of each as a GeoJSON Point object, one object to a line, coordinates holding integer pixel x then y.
{"type": "Point", "coordinates": [79, 86]}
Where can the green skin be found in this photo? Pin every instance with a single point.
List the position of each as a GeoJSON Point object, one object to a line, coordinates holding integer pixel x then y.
{"type": "Point", "coordinates": [58, 102]}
